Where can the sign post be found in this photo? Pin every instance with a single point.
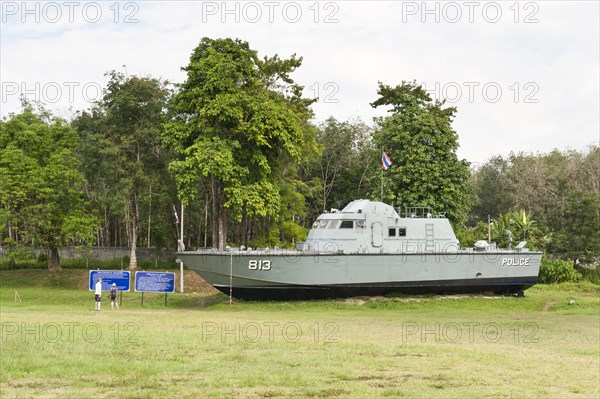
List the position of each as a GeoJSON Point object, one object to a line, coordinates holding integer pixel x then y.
{"type": "Point", "coordinates": [181, 277]}
{"type": "Point", "coordinates": [119, 277]}
{"type": "Point", "coordinates": [154, 282]}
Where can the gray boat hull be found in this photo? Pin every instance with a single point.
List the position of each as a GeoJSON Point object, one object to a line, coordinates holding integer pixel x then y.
{"type": "Point", "coordinates": [292, 275]}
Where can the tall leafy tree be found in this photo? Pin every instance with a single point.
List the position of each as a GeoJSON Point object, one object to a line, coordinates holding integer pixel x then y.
{"type": "Point", "coordinates": [578, 235]}
{"type": "Point", "coordinates": [560, 189]}
{"type": "Point", "coordinates": [126, 162]}
{"type": "Point", "coordinates": [517, 224]}
{"type": "Point", "coordinates": [236, 119]}
{"type": "Point", "coordinates": [42, 191]}
{"type": "Point", "coordinates": [340, 166]}
{"type": "Point", "coordinates": [492, 189]}
{"type": "Point", "coordinates": [339, 171]}
{"type": "Point", "coordinates": [134, 113]}
{"type": "Point", "coordinates": [337, 139]}
{"type": "Point", "coordinates": [419, 138]}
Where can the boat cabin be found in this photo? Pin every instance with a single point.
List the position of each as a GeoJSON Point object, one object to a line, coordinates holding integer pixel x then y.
{"type": "Point", "coordinates": [365, 226]}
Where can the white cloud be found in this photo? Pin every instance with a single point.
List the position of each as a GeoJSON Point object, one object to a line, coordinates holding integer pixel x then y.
{"type": "Point", "coordinates": [554, 60]}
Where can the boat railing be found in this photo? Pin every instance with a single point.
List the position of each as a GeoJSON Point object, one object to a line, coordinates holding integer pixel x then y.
{"type": "Point", "coordinates": [419, 212]}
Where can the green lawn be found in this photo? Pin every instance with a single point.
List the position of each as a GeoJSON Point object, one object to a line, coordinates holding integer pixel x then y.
{"type": "Point", "coordinates": [53, 344]}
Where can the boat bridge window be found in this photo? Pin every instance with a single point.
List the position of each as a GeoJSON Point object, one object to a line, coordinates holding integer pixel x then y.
{"type": "Point", "coordinates": [333, 224]}
{"type": "Point", "coordinates": [320, 224]}
{"type": "Point", "coordinates": [360, 224]}
{"type": "Point", "coordinates": [347, 224]}
{"type": "Point", "coordinates": [400, 232]}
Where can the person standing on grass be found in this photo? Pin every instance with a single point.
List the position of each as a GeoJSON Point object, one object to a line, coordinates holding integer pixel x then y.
{"type": "Point", "coordinates": [98, 294]}
{"type": "Point", "coordinates": [113, 296]}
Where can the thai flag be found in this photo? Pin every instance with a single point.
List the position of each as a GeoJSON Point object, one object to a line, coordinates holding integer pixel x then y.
{"type": "Point", "coordinates": [386, 162]}
{"type": "Point", "coordinates": [175, 212]}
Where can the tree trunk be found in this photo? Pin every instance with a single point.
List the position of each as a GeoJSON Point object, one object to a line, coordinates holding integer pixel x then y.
{"type": "Point", "coordinates": [149, 216]}
{"type": "Point", "coordinates": [215, 214]}
{"type": "Point", "coordinates": [206, 222]}
{"type": "Point", "coordinates": [219, 216]}
{"type": "Point", "coordinates": [133, 233]}
{"type": "Point", "coordinates": [54, 261]}
{"type": "Point", "coordinates": [222, 228]}
{"type": "Point", "coordinates": [247, 232]}
{"type": "Point", "coordinates": [132, 251]}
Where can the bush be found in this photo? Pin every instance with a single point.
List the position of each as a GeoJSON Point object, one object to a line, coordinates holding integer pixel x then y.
{"type": "Point", "coordinates": [558, 271]}
{"type": "Point", "coordinates": [166, 263]}
{"type": "Point", "coordinates": [467, 236]}
{"type": "Point", "coordinates": [591, 274]}
{"type": "Point", "coordinates": [11, 264]}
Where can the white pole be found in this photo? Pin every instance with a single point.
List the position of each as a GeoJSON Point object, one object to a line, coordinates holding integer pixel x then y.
{"type": "Point", "coordinates": [181, 225]}
{"type": "Point", "coordinates": [230, 279]}
{"type": "Point", "coordinates": [181, 276]}
{"type": "Point", "coordinates": [181, 263]}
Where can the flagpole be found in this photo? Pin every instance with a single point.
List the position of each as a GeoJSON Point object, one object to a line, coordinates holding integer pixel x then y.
{"type": "Point", "coordinates": [381, 184]}
{"type": "Point", "coordinates": [382, 152]}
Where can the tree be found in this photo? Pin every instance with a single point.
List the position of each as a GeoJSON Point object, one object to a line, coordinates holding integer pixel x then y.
{"type": "Point", "coordinates": [97, 167]}
{"type": "Point", "coordinates": [523, 224]}
{"type": "Point", "coordinates": [491, 189]}
{"type": "Point", "coordinates": [121, 142]}
{"type": "Point", "coordinates": [42, 191]}
{"type": "Point", "coordinates": [236, 120]}
{"type": "Point", "coordinates": [339, 171]}
{"type": "Point", "coordinates": [337, 140]}
{"type": "Point", "coordinates": [556, 189]}
{"type": "Point", "coordinates": [134, 114]}
{"type": "Point", "coordinates": [419, 138]}
{"type": "Point", "coordinates": [519, 225]}
{"type": "Point", "coordinates": [500, 228]}
{"type": "Point", "coordinates": [578, 236]}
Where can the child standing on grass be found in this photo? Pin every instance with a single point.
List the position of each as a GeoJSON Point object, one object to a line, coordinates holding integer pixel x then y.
{"type": "Point", "coordinates": [98, 294]}
{"type": "Point", "coordinates": [113, 296]}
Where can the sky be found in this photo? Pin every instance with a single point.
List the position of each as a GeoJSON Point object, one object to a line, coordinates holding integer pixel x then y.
{"type": "Point", "coordinates": [524, 75]}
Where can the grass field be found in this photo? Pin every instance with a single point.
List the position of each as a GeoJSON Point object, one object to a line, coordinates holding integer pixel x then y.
{"type": "Point", "coordinates": [53, 344]}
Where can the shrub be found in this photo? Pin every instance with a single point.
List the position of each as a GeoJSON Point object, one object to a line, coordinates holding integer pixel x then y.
{"type": "Point", "coordinates": [591, 274]}
{"type": "Point", "coordinates": [558, 271]}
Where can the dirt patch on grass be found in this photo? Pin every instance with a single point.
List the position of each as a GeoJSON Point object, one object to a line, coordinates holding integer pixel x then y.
{"type": "Point", "coordinates": [194, 283]}
{"type": "Point", "coordinates": [361, 300]}
{"type": "Point", "coordinates": [329, 393]}
{"type": "Point", "coordinates": [270, 394]}
{"type": "Point", "coordinates": [402, 354]}
{"type": "Point", "coordinates": [548, 304]}
{"type": "Point", "coordinates": [354, 301]}
{"type": "Point", "coordinates": [368, 378]}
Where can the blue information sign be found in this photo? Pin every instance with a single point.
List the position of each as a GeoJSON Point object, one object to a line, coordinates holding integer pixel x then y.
{"type": "Point", "coordinates": [154, 282]}
{"type": "Point", "coordinates": [119, 277]}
